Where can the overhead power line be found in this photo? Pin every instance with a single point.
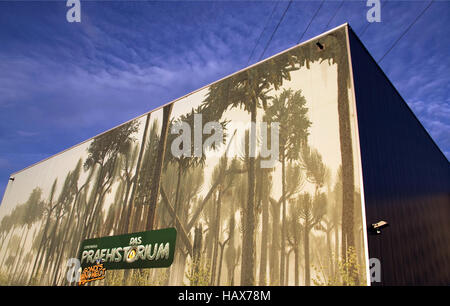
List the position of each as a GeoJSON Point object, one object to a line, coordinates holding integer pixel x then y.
{"type": "Point", "coordinates": [407, 29]}
{"type": "Point", "coordinates": [275, 30]}
{"type": "Point", "coordinates": [313, 17]}
{"type": "Point", "coordinates": [264, 29]}
{"type": "Point", "coordinates": [334, 15]}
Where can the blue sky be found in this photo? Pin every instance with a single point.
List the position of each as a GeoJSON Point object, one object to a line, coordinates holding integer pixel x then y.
{"type": "Point", "coordinates": [61, 83]}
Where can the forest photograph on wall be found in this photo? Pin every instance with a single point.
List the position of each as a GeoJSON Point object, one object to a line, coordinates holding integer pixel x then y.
{"type": "Point", "coordinates": [275, 200]}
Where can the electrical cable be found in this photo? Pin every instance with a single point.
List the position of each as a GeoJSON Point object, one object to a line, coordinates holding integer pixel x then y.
{"type": "Point", "coordinates": [275, 30]}
{"type": "Point", "coordinates": [314, 16]}
{"type": "Point", "coordinates": [334, 15]}
{"type": "Point", "coordinates": [264, 29]}
{"type": "Point", "coordinates": [407, 29]}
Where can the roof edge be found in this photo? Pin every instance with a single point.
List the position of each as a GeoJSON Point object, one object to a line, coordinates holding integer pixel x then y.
{"type": "Point", "coordinates": [186, 95]}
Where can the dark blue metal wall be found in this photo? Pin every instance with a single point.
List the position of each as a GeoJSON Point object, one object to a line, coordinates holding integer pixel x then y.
{"type": "Point", "coordinates": [406, 180]}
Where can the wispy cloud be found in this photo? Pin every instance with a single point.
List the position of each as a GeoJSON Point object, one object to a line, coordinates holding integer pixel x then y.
{"type": "Point", "coordinates": [26, 134]}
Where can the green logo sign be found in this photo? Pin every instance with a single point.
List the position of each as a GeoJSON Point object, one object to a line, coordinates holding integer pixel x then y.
{"type": "Point", "coordinates": [150, 249]}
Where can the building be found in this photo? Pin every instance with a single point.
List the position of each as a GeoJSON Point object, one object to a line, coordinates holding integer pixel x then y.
{"type": "Point", "coordinates": [288, 200]}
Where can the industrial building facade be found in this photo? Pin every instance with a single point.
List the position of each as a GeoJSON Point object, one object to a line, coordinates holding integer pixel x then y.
{"type": "Point", "coordinates": [270, 176]}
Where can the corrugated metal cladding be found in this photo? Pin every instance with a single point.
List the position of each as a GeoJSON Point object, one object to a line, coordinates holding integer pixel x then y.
{"type": "Point", "coordinates": [406, 181]}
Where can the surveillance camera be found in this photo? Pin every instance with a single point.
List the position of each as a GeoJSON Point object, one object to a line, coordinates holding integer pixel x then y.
{"type": "Point", "coordinates": [11, 179]}
{"type": "Point", "coordinates": [375, 228]}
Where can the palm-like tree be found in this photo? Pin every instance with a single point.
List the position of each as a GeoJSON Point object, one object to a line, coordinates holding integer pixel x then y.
{"type": "Point", "coordinates": [32, 211]}
{"type": "Point", "coordinates": [188, 195]}
{"type": "Point", "coordinates": [311, 211]}
{"type": "Point", "coordinates": [208, 215]}
{"type": "Point", "coordinates": [293, 235]}
{"type": "Point", "coordinates": [330, 223]}
{"type": "Point", "coordinates": [265, 187]}
{"type": "Point", "coordinates": [6, 227]}
{"type": "Point", "coordinates": [194, 272]}
{"type": "Point", "coordinates": [230, 230]}
{"type": "Point", "coordinates": [146, 174]}
{"type": "Point", "coordinates": [157, 170]}
{"type": "Point", "coordinates": [294, 184]}
{"type": "Point", "coordinates": [72, 194]}
{"type": "Point", "coordinates": [248, 90]}
{"type": "Point", "coordinates": [126, 162]}
{"type": "Point", "coordinates": [137, 171]}
{"type": "Point", "coordinates": [312, 208]}
{"type": "Point", "coordinates": [223, 192]}
{"type": "Point", "coordinates": [335, 51]}
{"type": "Point", "coordinates": [103, 153]}
{"type": "Point", "coordinates": [289, 110]}
{"type": "Point", "coordinates": [186, 162]}
{"type": "Point", "coordinates": [13, 244]}
{"type": "Point", "coordinates": [63, 207]}
{"type": "Point", "coordinates": [48, 211]}
{"type": "Point", "coordinates": [336, 216]}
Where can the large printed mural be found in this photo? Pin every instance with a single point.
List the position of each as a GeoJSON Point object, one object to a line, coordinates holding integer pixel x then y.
{"type": "Point", "coordinates": [273, 203]}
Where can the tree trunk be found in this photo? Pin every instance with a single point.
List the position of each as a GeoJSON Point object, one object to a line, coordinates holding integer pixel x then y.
{"type": "Point", "coordinates": [60, 250]}
{"type": "Point", "coordinates": [274, 249]}
{"type": "Point", "coordinates": [95, 220]}
{"type": "Point", "coordinates": [62, 244]}
{"type": "Point", "coordinates": [120, 192]}
{"type": "Point", "coordinates": [232, 275]}
{"type": "Point", "coordinates": [345, 137]}
{"type": "Point", "coordinates": [330, 255]}
{"type": "Point", "coordinates": [156, 181]}
{"type": "Point", "coordinates": [348, 185]}
{"type": "Point", "coordinates": [297, 263]}
{"type": "Point", "coordinates": [283, 220]}
{"type": "Point", "coordinates": [53, 241]}
{"type": "Point", "coordinates": [135, 226]}
{"type": "Point", "coordinates": [128, 208]}
{"type": "Point", "coordinates": [264, 241]}
{"type": "Point", "coordinates": [222, 247]}
{"type": "Point", "coordinates": [197, 251]}
{"type": "Point", "coordinates": [216, 237]}
{"type": "Point", "coordinates": [181, 267]}
{"type": "Point", "coordinates": [44, 235]}
{"type": "Point", "coordinates": [93, 205]}
{"type": "Point", "coordinates": [20, 253]}
{"type": "Point", "coordinates": [306, 249]}
{"type": "Point", "coordinates": [181, 231]}
{"type": "Point", "coordinates": [336, 252]}
{"type": "Point", "coordinates": [248, 239]}
{"type": "Point", "coordinates": [231, 271]}
{"type": "Point", "coordinates": [6, 249]}
{"type": "Point", "coordinates": [177, 191]}
{"type": "Point", "coordinates": [123, 215]}
{"type": "Point", "coordinates": [286, 283]}
{"type": "Point", "coordinates": [209, 242]}
{"type": "Point", "coordinates": [136, 174]}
